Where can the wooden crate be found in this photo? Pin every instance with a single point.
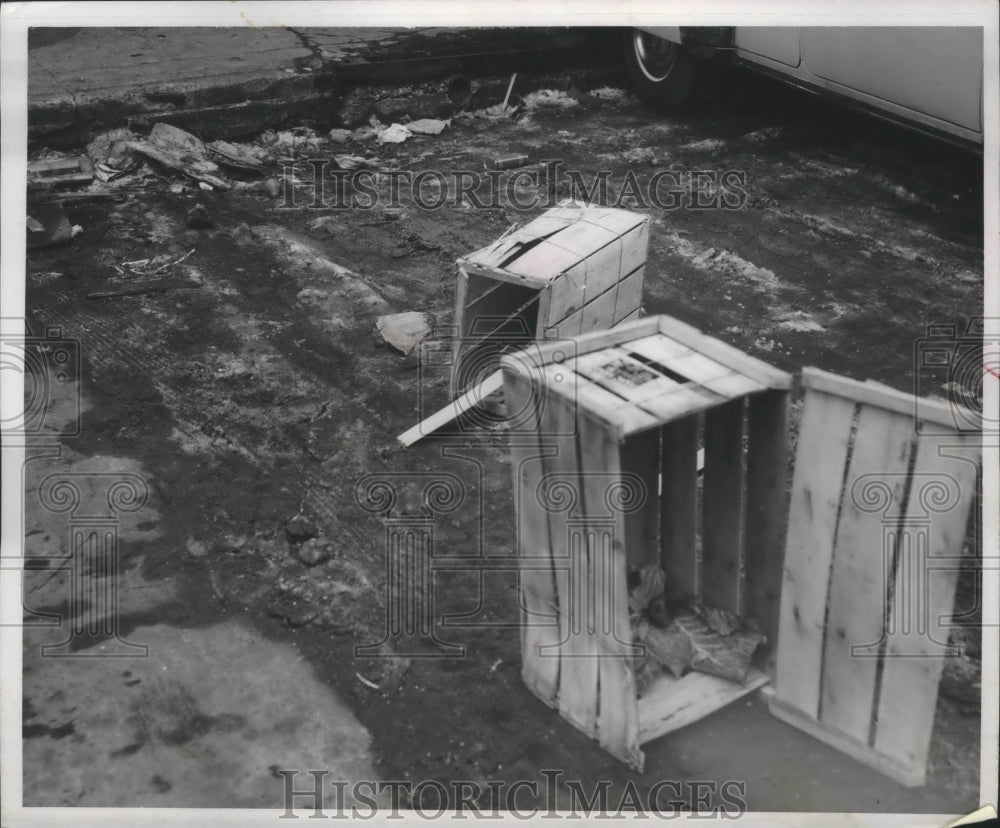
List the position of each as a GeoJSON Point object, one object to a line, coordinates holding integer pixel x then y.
{"type": "Point", "coordinates": [604, 439]}
{"type": "Point", "coordinates": [877, 519]}
{"type": "Point", "coordinates": [574, 269]}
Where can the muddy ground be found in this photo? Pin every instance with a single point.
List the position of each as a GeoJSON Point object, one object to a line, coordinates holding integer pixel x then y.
{"type": "Point", "coordinates": [258, 391]}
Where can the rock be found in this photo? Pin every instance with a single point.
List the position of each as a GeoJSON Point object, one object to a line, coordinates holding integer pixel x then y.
{"type": "Point", "coordinates": [272, 187]}
{"type": "Point", "coordinates": [404, 331]}
{"type": "Point", "coordinates": [340, 136]}
{"type": "Point", "coordinates": [315, 551]}
{"type": "Point", "coordinates": [196, 549]}
{"type": "Point", "coordinates": [198, 218]}
{"type": "Point", "coordinates": [301, 528]}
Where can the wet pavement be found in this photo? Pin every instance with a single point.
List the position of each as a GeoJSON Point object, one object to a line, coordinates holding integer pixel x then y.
{"type": "Point", "coordinates": [260, 392]}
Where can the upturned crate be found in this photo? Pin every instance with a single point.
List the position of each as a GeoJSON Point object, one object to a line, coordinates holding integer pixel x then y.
{"type": "Point", "coordinates": [576, 268]}
{"type": "Point", "coordinates": [605, 433]}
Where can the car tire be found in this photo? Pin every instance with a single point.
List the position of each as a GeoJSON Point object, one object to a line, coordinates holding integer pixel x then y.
{"type": "Point", "coordinates": [663, 74]}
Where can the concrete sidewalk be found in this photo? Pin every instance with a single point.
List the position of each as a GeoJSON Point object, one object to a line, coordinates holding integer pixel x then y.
{"type": "Point", "coordinates": [232, 82]}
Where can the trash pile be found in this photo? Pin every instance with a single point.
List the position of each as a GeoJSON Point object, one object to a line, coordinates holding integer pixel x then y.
{"type": "Point", "coordinates": [685, 635]}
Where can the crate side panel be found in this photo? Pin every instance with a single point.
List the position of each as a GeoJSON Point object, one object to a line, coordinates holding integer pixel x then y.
{"type": "Point", "coordinates": [766, 502]}
{"type": "Point", "coordinates": [679, 506]}
{"type": "Point", "coordinates": [599, 312]}
{"type": "Point", "coordinates": [568, 294]}
{"type": "Point", "coordinates": [820, 461]}
{"type": "Point", "coordinates": [858, 586]}
{"type": "Point", "coordinates": [913, 663]}
{"type": "Point", "coordinates": [723, 503]}
{"type": "Point", "coordinates": [634, 247]}
{"type": "Point", "coordinates": [604, 268]}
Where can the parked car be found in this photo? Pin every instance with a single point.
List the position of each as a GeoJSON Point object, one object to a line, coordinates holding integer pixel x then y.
{"type": "Point", "coordinates": [928, 78]}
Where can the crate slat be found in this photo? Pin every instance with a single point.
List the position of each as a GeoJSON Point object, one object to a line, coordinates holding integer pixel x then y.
{"type": "Point", "coordinates": [640, 456]}
{"type": "Point", "coordinates": [819, 468]}
{"type": "Point", "coordinates": [683, 401]}
{"type": "Point", "coordinates": [577, 700]}
{"type": "Point", "coordinates": [628, 297]}
{"type": "Point", "coordinates": [733, 385]}
{"type": "Point", "coordinates": [912, 668]}
{"type": "Point", "coordinates": [723, 506]}
{"type": "Point", "coordinates": [600, 367]}
{"type": "Point", "coordinates": [599, 312]}
{"type": "Point", "coordinates": [858, 582]}
{"type": "Point", "coordinates": [539, 623]}
{"type": "Point", "coordinates": [596, 400]}
{"type": "Point", "coordinates": [658, 348]}
{"type": "Point", "coordinates": [764, 535]}
{"type": "Point", "coordinates": [618, 717]}
{"type": "Point", "coordinates": [671, 703]}
{"type": "Point", "coordinates": [567, 294]}
{"type": "Point", "coordinates": [679, 506]}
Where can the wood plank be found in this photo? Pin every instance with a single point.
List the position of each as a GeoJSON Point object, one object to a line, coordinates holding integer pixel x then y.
{"type": "Point", "coordinates": [618, 717]}
{"type": "Point", "coordinates": [629, 295]}
{"type": "Point", "coordinates": [820, 462]}
{"type": "Point", "coordinates": [684, 401]}
{"type": "Point", "coordinates": [544, 261]}
{"type": "Point", "coordinates": [858, 751]}
{"type": "Point", "coordinates": [478, 269]}
{"type": "Point", "coordinates": [595, 401]}
{"type": "Point", "coordinates": [635, 245]}
{"type": "Point", "coordinates": [604, 270]}
{"type": "Point", "coordinates": [600, 367]}
{"type": "Point", "coordinates": [766, 502]}
{"type": "Point", "coordinates": [577, 695]}
{"type": "Point", "coordinates": [640, 456]}
{"type": "Point", "coordinates": [694, 366]}
{"type": "Point", "coordinates": [670, 703]}
{"type": "Point", "coordinates": [912, 666]}
{"type": "Point", "coordinates": [658, 348]}
{"type": "Point", "coordinates": [858, 586]}
{"type": "Point", "coordinates": [568, 294]}
{"type": "Point", "coordinates": [733, 385]}
{"type": "Point", "coordinates": [722, 352]}
{"type": "Point", "coordinates": [939, 412]}
{"type": "Point", "coordinates": [461, 295]}
{"type": "Point", "coordinates": [679, 506]}
{"type": "Point", "coordinates": [539, 624]}
{"type": "Point", "coordinates": [596, 340]}
{"type": "Point", "coordinates": [599, 312]}
{"type": "Point", "coordinates": [452, 411]}
{"type": "Point", "coordinates": [722, 527]}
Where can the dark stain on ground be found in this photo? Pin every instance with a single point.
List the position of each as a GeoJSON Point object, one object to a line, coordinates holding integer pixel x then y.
{"type": "Point", "coordinates": [35, 731]}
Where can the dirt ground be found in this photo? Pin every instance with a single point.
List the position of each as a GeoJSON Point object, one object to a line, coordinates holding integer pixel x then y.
{"type": "Point", "coordinates": [259, 391]}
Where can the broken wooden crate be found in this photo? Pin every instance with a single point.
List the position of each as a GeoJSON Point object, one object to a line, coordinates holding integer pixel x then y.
{"type": "Point", "coordinates": [605, 434]}
{"type": "Point", "coordinates": [879, 508]}
{"type": "Point", "coordinates": [576, 268]}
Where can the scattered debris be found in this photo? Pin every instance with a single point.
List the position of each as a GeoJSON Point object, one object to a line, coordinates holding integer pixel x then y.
{"type": "Point", "coordinates": [352, 162]}
{"type": "Point", "coordinates": [59, 172]}
{"type": "Point", "coordinates": [549, 99]}
{"type": "Point", "coordinates": [196, 548]}
{"type": "Point", "coordinates": [151, 267]}
{"type": "Point", "coordinates": [198, 218]}
{"type": "Point", "coordinates": [510, 88]}
{"type": "Point", "coordinates": [180, 151]}
{"type": "Point", "coordinates": [299, 138]}
{"type": "Point", "coordinates": [301, 528]}
{"type": "Point", "coordinates": [53, 226]}
{"type": "Point", "coordinates": [609, 93]}
{"type": "Point", "coordinates": [508, 162]}
{"type": "Point", "coordinates": [404, 331]}
{"type": "Point", "coordinates": [176, 187]}
{"type": "Point", "coordinates": [76, 231]}
{"type": "Point", "coordinates": [272, 187]}
{"type": "Point", "coordinates": [363, 133]}
{"type": "Point", "coordinates": [160, 287]}
{"type": "Point", "coordinates": [366, 682]}
{"type": "Point", "coordinates": [497, 663]}
{"type": "Point", "coordinates": [428, 126]}
{"type": "Point", "coordinates": [340, 136]}
{"type": "Point", "coordinates": [316, 551]}
{"type": "Point", "coordinates": [395, 134]}
{"type": "Point", "coordinates": [235, 156]}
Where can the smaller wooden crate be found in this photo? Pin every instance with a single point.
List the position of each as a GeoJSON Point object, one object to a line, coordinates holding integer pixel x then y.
{"type": "Point", "coordinates": [605, 432]}
{"type": "Point", "coordinates": [879, 507]}
{"type": "Point", "coordinates": [576, 268]}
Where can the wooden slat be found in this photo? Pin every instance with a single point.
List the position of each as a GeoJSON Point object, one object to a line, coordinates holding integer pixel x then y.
{"type": "Point", "coordinates": [461, 295]}
{"type": "Point", "coordinates": [684, 401]}
{"type": "Point", "coordinates": [670, 703]}
{"type": "Point", "coordinates": [599, 312]}
{"type": "Point", "coordinates": [939, 412]}
{"type": "Point", "coordinates": [912, 666]}
{"type": "Point", "coordinates": [723, 506]}
{"type": "Point", "coordinates": [640, 456]}
{"type": "Point", "coordinates": [721, 352]}
{"type": "Point", "coordinates": [596, 340]}
{"type": "Point", "coordinates": [635, 245]}
{"type": "Point", "coordinates": [694, 366]}
{"type": "Point", "coordinates": [452, 411]}
{"type": "Point", "coordinates": [679, 506]}
{"type": "Point", "coordinates": [604, 269]}
{"type": "Point", "coordinates": [594, 400]}
{"type": "Point", "coordinates": [844, 743]}
{"type": "Point", "coordinates": [766, 500]}
{"type": "Point", "coordinates": [577, 696]}
{"type": "Point", "coordinates": [539, 624]}
{"type": "Point", "coordinates": [618, 717]}
{"type": "Point", "coordinates": [628, 297]}
{"type": "Point", "coordinates": [733, 385]}
{"type": "Point", "coordinates": [820, 461]}
{"type": "Point", "coordinates": [659, 348]}
{"type": "Point", "coordinates": [858, 585]}
{"type": "Point", "coordinates": [567, 294]}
